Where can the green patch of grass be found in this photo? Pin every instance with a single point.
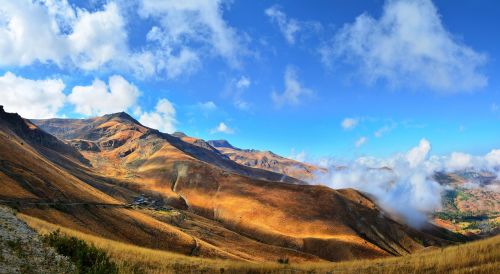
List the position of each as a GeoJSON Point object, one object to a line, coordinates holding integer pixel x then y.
{"type": "Point", "coordinates": [87, 258]}
{"type": "Point", "coordinates": [463, 196]}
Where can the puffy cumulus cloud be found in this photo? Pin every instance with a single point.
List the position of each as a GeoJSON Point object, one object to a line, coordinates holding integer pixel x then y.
{"type": "Point", "coordinates": [31, 98]}
{"type": "Point", "coordinates": [162, 118]}
{"type": "Point", "coordinates": [493, 158]}
{"type": "Point", "coordinates": [417, 154]}
{"type": "Point", "coordinates": [294, 90]}
{"type": "Point", "coordinates": [401, 184]}
{"type": "Point", "coordinates": [57, 32]}
{"type": "Point", "coordinates": [349, 123]}
{"type": "Point", "coordinates": [98, 37]}
{"type": "Point", "coordinates": [222, 128]}
{"type": "Point", "coordinates": [289, 27]}
{"type": "Point", "coordinates": [27, 34]}
{"type": "Point", "coordinates": [101, 98]}
{"type": "Point", "coordinates": [53, 31]}
{"type": "Point", "coordinates": [408, 44]}
{"type": "Point", "coordinates": [404, 184]}
{"type": "Point", "coordinates": [458, 160]}
{"type": "Point", "coordinates": [360, 142]}
{"type": "Point", "coordinates": [187, 25]}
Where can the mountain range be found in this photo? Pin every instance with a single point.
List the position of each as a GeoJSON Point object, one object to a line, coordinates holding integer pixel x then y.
{"type": "Point", "coordinates": [113, 177]}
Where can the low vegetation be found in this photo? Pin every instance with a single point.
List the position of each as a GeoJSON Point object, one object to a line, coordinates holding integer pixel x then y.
{"type": "Point", "coordinates": [87, 258]}
{"type": "Point", "coordinates": [475, 257]}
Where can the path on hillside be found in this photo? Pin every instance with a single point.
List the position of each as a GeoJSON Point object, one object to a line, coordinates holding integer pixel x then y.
{"type": "Point", "coordinates": [32, 202]}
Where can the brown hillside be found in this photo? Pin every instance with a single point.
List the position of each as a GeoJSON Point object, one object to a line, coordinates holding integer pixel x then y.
{"type": "Point", "coordinates": [152, 189]}
{"type": "Point", "coordinates": [267, 160]}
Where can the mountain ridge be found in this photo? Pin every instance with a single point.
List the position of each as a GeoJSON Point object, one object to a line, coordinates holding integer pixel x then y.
{"type": "Point", "coordinates": [157, 180]}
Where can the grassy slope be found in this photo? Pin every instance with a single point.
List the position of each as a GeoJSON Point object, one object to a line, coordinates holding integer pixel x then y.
{"type": "Point", "coordinates": [476, 257]}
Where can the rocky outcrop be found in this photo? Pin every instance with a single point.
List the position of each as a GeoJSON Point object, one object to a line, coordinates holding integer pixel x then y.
{"type": "Point", "coordinates": [22, 251]}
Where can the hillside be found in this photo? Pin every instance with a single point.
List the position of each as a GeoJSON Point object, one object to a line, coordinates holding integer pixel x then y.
{"type": "Point", "coordinates": [476, 257]}
{"type": "Point", "coordinates": [143, 187]}
{"type": "Point", "coordinates": [22, 250]}
{"type": "Point", "coordinates": [471, 203]}
{"type": "Point", "coordinates": [266, 160]}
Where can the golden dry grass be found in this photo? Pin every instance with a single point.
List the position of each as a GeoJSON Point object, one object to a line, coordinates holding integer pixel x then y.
{"type": "Point", "coordinates": [475, 257]}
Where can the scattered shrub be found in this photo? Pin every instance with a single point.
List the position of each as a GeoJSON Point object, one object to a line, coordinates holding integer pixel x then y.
{"type": "Point", "coordinates": [87, 258]}
{"type": "Point", "coordinates": [283, 261]}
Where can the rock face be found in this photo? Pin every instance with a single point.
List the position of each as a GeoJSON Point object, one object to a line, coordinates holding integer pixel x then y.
{"type": "Point", "coordinates": [22, 251]}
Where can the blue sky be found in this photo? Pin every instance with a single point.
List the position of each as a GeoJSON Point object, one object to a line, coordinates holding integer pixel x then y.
{"type": "Point", "coordinates": [340, 79]}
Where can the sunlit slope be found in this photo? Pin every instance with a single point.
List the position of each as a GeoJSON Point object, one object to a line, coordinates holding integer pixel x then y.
{"type": "Point", "coordinates": [476, 257]}
{"type": "Point", "coordinates": [119, 135]}
{"type": "Point", "coordinates": [315, 220]}
{"type": "Point", "coordinates": [26, 173]}
{"type": "Point", "coordinates": [39, 187]}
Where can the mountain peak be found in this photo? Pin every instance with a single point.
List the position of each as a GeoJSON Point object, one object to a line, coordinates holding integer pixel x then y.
{"type": "Point", "coordinates": [12, 118]}
{"type": "Point", "coordinates": [179, 134]}
{"type": "Point", "coordinates": [221, 143]}
{"type": "Point", "coordinates": [121, 116]}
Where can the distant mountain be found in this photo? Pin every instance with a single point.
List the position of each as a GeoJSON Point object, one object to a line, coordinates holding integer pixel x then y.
{"type": "Point", "coordinates": [132, 143]}
{"type": "Point", "coordinates": [221, 144]}
{"type": "Point", "coordinates": [266, 160]}
{"type": "Point", "coordinates": [471, 202]}
{"type": "Point", "coordinates": [140, 186]}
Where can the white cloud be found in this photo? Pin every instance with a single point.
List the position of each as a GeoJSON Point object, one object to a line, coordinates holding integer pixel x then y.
{"type": "Point", "coordinates": [297, 156]}
{"type": "Point", "coordinates": [99, 98]}
{"type": "Point", "coordinates": [289, 27]}
{"type": "Point", "coordinates": [192, 22]}
{"type": "Point", "coordinates": [458, 161]}
{"type": "Point", "coordinates": [162, 118]}
{"type": "Point", "coordinates": [222, 128]}
{"type": "Point", "coordinates": [404, 184]}
{"type": "Point", "coordinates": [383, 130]}
{"type": "Point", "coordinates": [235, 89]}
{"type": "Point", "coordinates": [28, 34]}
{"type": "Point", "coordinates": [54, 32]}
{"type": "Point", "coordinates": [418, 154]}
{"type": "Point", "coordinates": [349, 123]}
{"type": "Point", "coordinates": [408, 45]}
{"type": "Point", "coordinates": [360, 142]}
{"type": "Point", "coordinates": [98, 37]}
{"type": "Point", "coordinates": [207, 106]}
{"type": "Point", "coordinates": [494, 107]}
{"type": "Point", "coordinates": [294, 90]}
{"type": "Point", "coordinates": [493, 158]}
{"type": "Point", "coordinates": [31, 98]}
{"type": "Point", "coordinates": [243, 83]}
